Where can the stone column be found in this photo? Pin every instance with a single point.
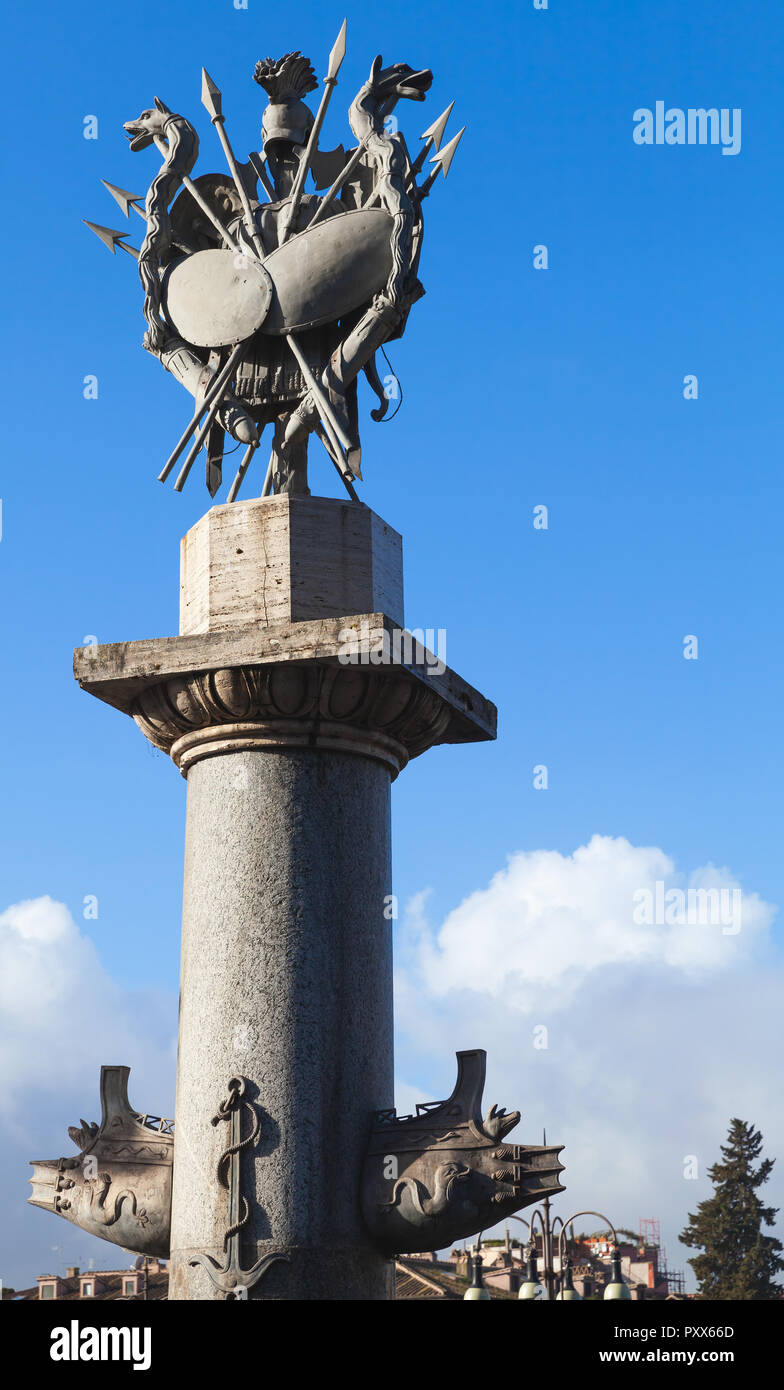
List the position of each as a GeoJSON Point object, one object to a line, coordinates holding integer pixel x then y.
{"type": "Point", "coordinates": [290, 706]}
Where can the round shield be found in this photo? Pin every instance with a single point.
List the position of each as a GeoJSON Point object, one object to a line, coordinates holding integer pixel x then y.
{"type": "Point", "coordinates": [216, 298]}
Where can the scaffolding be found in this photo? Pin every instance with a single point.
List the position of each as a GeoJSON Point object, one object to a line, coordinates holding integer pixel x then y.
{"type": "Point", "coordinates": [650, 1231]}
{"type": "Point", "coordinates": [650, 1235]}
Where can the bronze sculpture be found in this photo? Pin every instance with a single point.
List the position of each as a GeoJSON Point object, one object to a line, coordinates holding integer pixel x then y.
{"type": "Point", "coordinates": [445, 1173]}
{"type": "Point", "coordinates": [119, 1185]}
{"type": "Point", "coordinates": [265, 301]}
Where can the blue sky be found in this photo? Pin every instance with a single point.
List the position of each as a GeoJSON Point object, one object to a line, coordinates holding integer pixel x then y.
{"type": "Point", "coordinates": [561, 387]}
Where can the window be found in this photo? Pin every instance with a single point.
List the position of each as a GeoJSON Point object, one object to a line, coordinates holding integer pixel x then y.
{"type": "Point", "coordinates": [47, 1290]}
{"type": "Point", "coordinates": [87, 1290]}
{"type": "Point", "coordinates": [130, 1286]}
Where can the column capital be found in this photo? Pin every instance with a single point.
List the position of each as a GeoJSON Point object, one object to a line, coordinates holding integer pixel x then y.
{"type": "Point", "coordinates": [344, 684]}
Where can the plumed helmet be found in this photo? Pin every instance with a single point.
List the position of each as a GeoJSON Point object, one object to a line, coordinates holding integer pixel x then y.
{"type": "Point", "coordinates": [286, 81]}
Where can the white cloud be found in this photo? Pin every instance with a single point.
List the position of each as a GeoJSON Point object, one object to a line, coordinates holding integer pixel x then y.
{"type": "Point", "coordinates": [656, 1035]}
{"type": "Point", "coordinates": [62, 1016]}
{"type": "Point", "coordinates": [550, 920]}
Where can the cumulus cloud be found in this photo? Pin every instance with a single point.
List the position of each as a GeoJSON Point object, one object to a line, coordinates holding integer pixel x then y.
{"type": "Point", "coordinates": [61, 1016]}
{"type": "Point", "coordinates": [549, 921]}
{"type": "Point", "coordinates": [632, 1043]}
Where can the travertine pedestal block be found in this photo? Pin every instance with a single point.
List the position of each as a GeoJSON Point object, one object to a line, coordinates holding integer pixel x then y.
{"type": "Point", "coordinates": [288, 560]}
{"type": "Point", "coordinates": [289, 749]}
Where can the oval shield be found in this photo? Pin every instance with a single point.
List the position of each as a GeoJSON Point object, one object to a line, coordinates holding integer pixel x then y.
{"type": "Point", "coordinates": [328, 270]}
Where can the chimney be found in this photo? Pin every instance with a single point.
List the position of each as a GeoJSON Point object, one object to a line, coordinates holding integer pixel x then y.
{"type": "Point", "coordinates": [72, 1272]}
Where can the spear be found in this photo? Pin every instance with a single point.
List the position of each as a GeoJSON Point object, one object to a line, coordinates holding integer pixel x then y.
{"type": "Point", "coordinates": [344, 477]}
{"type": "Point", "coordinates": [267, 488]}
{"type": "Point", "coordinates": [241, 471]}
{"type": "Point", "coordinates": [163, 149]}
{"type": "Point", "coordinates": [127, 200]}
{"type": "Point", "coordinates": [211, 100]}
{"type": "Point", "coordinates": [340, 180]}
{"type": "Point", "coordinates": [332, 427]}
{"type": "Point", "coordinates": [330, 82]}
{"type": "Point", "coordinates": [216, 398]}
{"type": "Point", "coordinates": [215, 390]}
{"type": "Point", "coordinates": [443, 161]}
{"type": "Point", "coordinates": [432, 136]}
{"type": "Point", "coordinates": [111, 238]}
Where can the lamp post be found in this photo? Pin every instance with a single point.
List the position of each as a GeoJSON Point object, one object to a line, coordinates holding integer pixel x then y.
{"type": "Point", "coordinates": [617, 1287]}
{"type": "Point", "coordinates": [531, 1288]}
{"type": "Point", "coordinates": [477, 1289]}
{"type": "Point", "coordinates": [568, 1292]}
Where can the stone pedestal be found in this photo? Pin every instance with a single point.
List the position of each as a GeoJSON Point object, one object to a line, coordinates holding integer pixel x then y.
{"type": "Point", "coordinates": [290, 718]}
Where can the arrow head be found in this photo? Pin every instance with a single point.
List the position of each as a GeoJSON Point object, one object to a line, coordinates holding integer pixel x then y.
{"type": "Point", "coordinates": [435, 132]}
{"type": "Point", "coordinates": [210, 96]}
{"type": "Point", "coordinates": [337, 55]}
{"type": "Point", "coordinates": [447, 154]}
{"type": "Point", "coordinates": [107, 235]}
{"type": "Point", "coordinates": [122, 197]}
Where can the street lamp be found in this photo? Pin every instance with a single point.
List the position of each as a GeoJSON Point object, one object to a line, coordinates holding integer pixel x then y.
{"type": "Point", "coordinates": [477, 1289]}
{"type": "Point", "coordinates": [531, 1288]}
{"type": "Point", "coordinates": [617, 1287]}
{"type": "Point", "coordinates": [568, 1291]}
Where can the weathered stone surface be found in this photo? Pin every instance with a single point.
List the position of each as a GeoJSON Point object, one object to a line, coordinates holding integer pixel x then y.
{"type": "Point", "coordinates": [289, 733]}
{"type": "Point", "coordinates": [286, 979]}
{"type": "Point", "coordinates": [175, 685]}
{"type": "Point", "coordinates": [288, 559]}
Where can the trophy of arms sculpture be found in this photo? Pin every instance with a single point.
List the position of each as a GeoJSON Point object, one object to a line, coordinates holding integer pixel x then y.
{"type": "Point", "coordinates": [267, 301]}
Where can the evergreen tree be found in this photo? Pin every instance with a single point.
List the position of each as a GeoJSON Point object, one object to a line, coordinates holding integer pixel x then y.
{"type": "Point", "coordinates": [737, 1260]}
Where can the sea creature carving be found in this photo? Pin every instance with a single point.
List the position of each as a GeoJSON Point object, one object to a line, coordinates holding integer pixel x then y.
{"type": "Point", "coordinates": [119, 1185]}
{"type": "Point", "coordinates": [445, 1173]}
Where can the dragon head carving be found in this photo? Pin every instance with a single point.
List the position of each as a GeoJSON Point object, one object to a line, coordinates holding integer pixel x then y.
{"type": "Point", "coordinates": [151, 123]}
{"type": "Point", "coordinates": [399, 81]}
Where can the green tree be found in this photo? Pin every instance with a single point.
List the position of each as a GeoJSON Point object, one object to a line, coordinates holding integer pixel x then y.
{"type": "Point", "coordinates": [737, 1260]}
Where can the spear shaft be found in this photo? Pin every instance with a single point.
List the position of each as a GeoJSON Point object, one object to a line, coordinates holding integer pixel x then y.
{"type": "Point", "coordinates": [216, 388]}
{"type": "Point", "coordinates": [443, 160]}
{"type": "Point", "coordinates": [432, 137]}
{"type": "Point", "coordinates": [332, 427]}
{"type": "Point", "coordinates": [211, 100]}
{"type": "Point", "coordinates": [340, 180]}
{"type": "Point", "coordinates": [205, 207]}
{"type": "Point", "coordinates": [215, 403]}
{"type": "Point", "coordinates": [111, 238]}
{"type": "Point", "coordinates": [241, 471]}
{"type": "Point", "coordinates": [330, 82]}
